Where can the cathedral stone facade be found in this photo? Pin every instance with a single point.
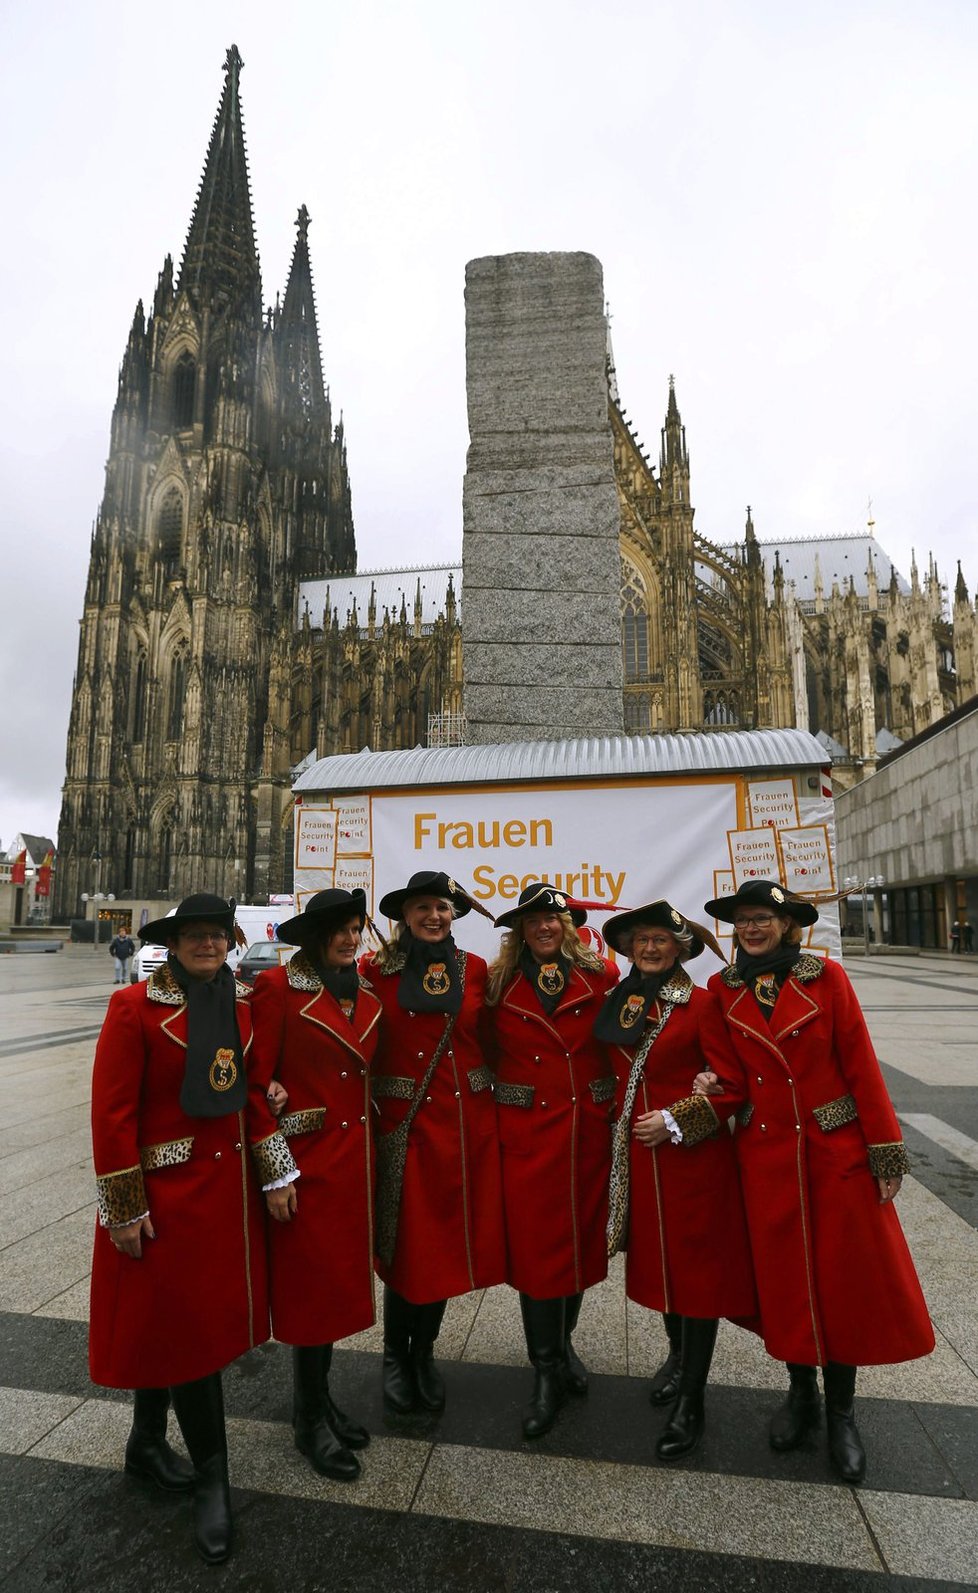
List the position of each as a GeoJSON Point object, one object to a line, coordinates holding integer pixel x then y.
{"type": "Point", "coordinates": [226, 635]}
{"type": "Point", "coordinates": [226, 484]}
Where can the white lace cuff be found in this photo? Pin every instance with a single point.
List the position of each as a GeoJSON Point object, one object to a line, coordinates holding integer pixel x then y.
{"type": "Point", "coordinates": [675, 1132]}
{"type": "Point", "coordinates": [282, 1183]}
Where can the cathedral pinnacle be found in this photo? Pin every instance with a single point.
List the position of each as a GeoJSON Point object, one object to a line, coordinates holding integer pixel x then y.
{"type": "Point", "coordinates": [220, 261]}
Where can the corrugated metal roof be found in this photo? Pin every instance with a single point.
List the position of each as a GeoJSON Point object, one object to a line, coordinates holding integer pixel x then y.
{"type": "Point", "coordinates": [391, 589]}
{"type": "Point", "coordinates": [596, 757]}
{"type": "Point", "coordinates": [838, 559]}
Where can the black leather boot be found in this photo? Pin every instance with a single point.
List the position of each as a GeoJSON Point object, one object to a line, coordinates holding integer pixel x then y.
{"type": "Point", "coordinates": [427, 1379]}
{"type": "Point", "coordinates": [148, 1455]}
{"type": "Point", "coordinates": [575, 1372]}
{"type": "Point", "coordinates": [801, 1412]}
{"type": "Point", "coordinates": [314, 1436]}
{"type": "Point", "coordinates": [199, 1408]}
{"type": "Point", "coordinates": [685, 1426]}
{"type": "Point", "coordinates": [846, 1450]}
{"type": "Point", "coordinates": [400, 1389]}
{"type": "Point", "coordinates": [543, 1324]}
{"type": "Point", "coordinates": [664, 1387]}
{"type": "Point", "coordinates": [352, 1434]}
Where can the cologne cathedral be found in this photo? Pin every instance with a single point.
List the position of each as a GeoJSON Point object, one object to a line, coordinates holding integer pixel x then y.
{"type": "Point", "coordinates": [227, 636]}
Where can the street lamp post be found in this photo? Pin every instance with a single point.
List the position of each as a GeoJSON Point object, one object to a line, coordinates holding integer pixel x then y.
{"type": "Point", "coordinates": [96, 897]}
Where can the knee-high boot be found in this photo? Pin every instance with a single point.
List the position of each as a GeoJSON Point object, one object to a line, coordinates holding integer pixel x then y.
{"type": "Point", "coordinates": [427, 1379]}
{"type": "Point", "coordinates": [685, 1426]}
{"type": "Point", "coordinates": [315, 1437]}
{"type": "Point", "coordinates": [575, 1372]}
{"type": "Point", "coordinates": [400, 1390]}
{"type": "Point", "coordinates": [846, 1450]}
{"type": "Point", "coordinates": [664, 1387]}
{"type": "Point", "coordinates": [148, 1455]}
{"type": "Point", "coordinates": [543, 1324]}
{"type": "Point", "coordinates": [199, 1408]}
{"type": "Point", "coordinates": [354, 1436]}
{"type": "Point", "coordinates": [800, 1413]}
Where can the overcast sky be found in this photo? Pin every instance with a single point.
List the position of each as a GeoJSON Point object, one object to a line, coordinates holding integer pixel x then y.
{"type": "Point", "coordinates": [782, 197]}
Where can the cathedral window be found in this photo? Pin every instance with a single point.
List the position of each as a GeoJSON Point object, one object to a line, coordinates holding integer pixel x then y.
{"type": "Point", "coordinates": [169, 531]}
{"type": "Point", "coordinates": [184, 385]}
{"type": "Point", "coordinates": [166, 853]}
{"type": "Point", "coordinates": [634, 625]}
{"type": "Point", "coordinates": [130, 854]}
{"type": "Point", "coordinates": [721, 708]}
{"type": "Point", "coordinates": [177, 693]}
{"type": "Point", "coordinates": [638, 713]}
{"type": "Point", "coordinates": [139, 699]}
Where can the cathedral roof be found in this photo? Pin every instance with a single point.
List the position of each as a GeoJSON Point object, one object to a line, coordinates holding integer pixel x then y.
{"type": "Point", "coordinates": [837, 558]}
{"type": "Point", "coordinates": [392, 590]}
{"type": "Point", "coordinates": [595, 757]}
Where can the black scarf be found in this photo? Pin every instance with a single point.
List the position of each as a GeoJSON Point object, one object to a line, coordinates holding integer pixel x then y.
{"type": "Point", "coordinates": [343, 985]}
{"type": "Point", "coordinates": [549, 979]}
{"type": "Point", "coordinates": [621, 1020]}
{"type": "Point", "coordinates": [430, 981]}
{"type": "Point", "coordinates": [214, 1082]}
{"type": "Point", "coordinates": [766, 973]}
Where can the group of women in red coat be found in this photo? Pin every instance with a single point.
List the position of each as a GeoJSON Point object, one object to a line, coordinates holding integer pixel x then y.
{"type": "Point", "coordinates": [416, 1115]}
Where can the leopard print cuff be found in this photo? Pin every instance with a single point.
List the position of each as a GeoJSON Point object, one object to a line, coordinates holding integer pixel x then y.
{"type": "Point", "coordinates": [889, 1161]}
{"type": "Point", "coordinates": [835, 1114]}
{"type": "Point", "coordinates": [273, 1160]}
{"type": "Point", "coordinates": [121, 1197]}
{"type": "Point", "coordinates": [306, 1122]}
{"type": "Point", "coordinates": [695, 1118]}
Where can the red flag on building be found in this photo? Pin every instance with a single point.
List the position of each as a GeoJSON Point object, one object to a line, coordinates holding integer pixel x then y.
{"type": "Point", "coordinates": [42, 885]}
{"type": "Point", "coordinates": [18, 874]}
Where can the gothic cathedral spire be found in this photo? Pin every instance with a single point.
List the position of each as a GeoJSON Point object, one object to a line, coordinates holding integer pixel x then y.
{"type": "Point", "coordinates": [225, 487]}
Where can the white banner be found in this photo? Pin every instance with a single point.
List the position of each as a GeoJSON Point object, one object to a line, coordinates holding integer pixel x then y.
{"type": "Point", "coordinates": [616, 845]}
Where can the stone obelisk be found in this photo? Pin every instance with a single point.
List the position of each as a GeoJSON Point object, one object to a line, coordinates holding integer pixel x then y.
{"type": "Point", "coordinates": [541, 610]}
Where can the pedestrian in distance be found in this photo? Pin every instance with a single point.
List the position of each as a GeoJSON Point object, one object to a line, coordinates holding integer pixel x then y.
{"type": "Point", "coordinates": [821, 1161]}
{"type": "Point", "coordinates": [184, 1142]}
{"type": "Point", "coordinates": [316, 1028]}
{"type": "Point", "coordinates": [439, 1200]}
{"type": "Point", "coordinates": [675, 1205]}
{"type": "Point", "coordinates": [122, 949]}
{"type": "Point", "coordinates": [555, 1088]}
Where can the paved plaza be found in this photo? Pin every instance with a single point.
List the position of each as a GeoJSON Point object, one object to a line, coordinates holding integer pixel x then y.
{"type": "Point", "coordinates": [460, 1501]}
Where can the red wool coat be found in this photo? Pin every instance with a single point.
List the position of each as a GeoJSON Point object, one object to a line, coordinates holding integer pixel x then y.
{"type": "Point", "coordinates": [450, 1232]}
{"type": "Point", "coordinates": [321, 1276]}
{"type": "Point", "coordinates": [555, 1089]}
{"type": "Point", "coordinates": [834, 1276]}
{"type": "Point", "coordinates": [197, 1297]}
{"type": "Point", "coordinates": [687, 1247]}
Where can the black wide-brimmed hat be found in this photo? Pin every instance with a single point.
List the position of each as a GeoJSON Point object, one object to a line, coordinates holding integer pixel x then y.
{"type": "Point", "coordinates": [202, 908]}
{"type": "Point", "coordinates": [660, 915]}
{"type": "Point", "coordinates": [325, 911]}
{"type": "Point", "coordinates": [541, 898]}
{"type": "Point", "coordinates": [426, 883]}
{"type": "Point", "coordinates": [763, 893]}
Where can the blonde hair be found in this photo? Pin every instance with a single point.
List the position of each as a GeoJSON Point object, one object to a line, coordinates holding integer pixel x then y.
{"type": "Point", "coordinates": [390, 957]}
{"type": "Point", "coordinates": [504, 966]}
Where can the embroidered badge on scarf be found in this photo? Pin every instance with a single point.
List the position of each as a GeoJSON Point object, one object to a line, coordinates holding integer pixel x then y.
{"type": "Point", "coordinates": [436, 981]}
{"type": "Point", "coordinates": [632, 1012]}
{"type": "Point", "coordinates": [766, 989]}
{"type": "Point", "coordinates": [223, 1071]}
{"type": "Point", "coordinates": [550, 979]}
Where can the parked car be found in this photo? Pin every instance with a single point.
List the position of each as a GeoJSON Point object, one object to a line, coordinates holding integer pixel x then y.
{"type": "Point", "coordinates": [145, 959]}
{"type": "Point", "coordinates": [263, 954]}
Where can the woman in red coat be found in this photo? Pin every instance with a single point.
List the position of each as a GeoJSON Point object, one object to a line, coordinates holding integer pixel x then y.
{"type": "Point", "coordinates": [316, 1030]}
{"type": "Point", "coordinates": [821, 1159]}
{"type": "Point", "coordinates": [178, 1276]}
{"type": "Point", "coordinates": [675, 1197]}
{"type": "Point", "coordinates": [439, 1203]}
{"type": "Point", "coordinates": [555, 1088]}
